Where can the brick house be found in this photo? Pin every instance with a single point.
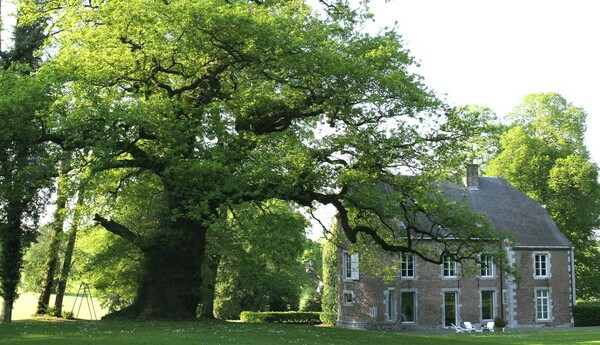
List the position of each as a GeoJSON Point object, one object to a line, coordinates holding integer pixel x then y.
{"type": "Point", "coordinates": [427, 295]}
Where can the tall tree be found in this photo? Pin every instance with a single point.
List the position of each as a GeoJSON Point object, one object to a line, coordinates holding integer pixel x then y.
{"type": "Point", "coordinates": [25, 165]}
{"type": "Point", "coordinates": [224, 102]}
{"type": "Point", "coordinates": [544, 155]}
{"type": "Point", "coordinates": [260, 267]}
{"type": "Point", "coordinates": [52, 257]}
{"type": "Point", "coordinates": [25, 170]}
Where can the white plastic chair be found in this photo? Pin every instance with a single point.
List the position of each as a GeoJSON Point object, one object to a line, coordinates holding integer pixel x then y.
{"type": "Point", "coordinates": [489, 327]}
{"type": "Point", "coordinates": [458, 329]}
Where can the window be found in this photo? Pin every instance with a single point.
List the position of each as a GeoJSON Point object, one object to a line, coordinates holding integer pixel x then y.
{"type": "Point", "coordinates": [542, 304]}
{"type": "Point", "coordinates": [373, 312]}
{"type": "Point", "coordinates": [408, 266]}
{"type": "Point", "coordinates": [390, 304]}
{"type": "Point", "coordinates": [541, 265]}
{"type": "Point", "coordinates": [487, 304]}
{"type": "Point", "coordinates": [408, 306]}
{"type": "Point", "coordinates": [450, 268]}
{"type": "Point", "coordinates": [348, 298]}
{"type": "Point", "coordinates": [350, 266]}
{"type": "Point", "coordinates": [487, 266]}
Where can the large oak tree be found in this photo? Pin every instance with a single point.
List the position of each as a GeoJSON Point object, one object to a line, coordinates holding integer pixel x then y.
{"type": "Point", "coordinates": [221, 102]}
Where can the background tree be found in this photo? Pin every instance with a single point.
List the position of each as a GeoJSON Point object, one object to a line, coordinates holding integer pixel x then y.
{"type": "Point", "coordinates": [219, 103]}
{"type": "Point", "coordinates": [260, 267]}
{"type": "Point", "coordinates": [544, 155]}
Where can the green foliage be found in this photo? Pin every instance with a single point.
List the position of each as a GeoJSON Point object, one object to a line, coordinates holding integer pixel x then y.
{"type": "Point", "coordinates": [211, 105]}
{"type": "Point", "coordinates": [310, 300]}
{"type": "Point", "coordinates": [260, 266]}
{"type": "Point", "coordinates": [544, 155]}
{"type": "Point", "coordinates": [329, 301]}
{"type": "Point", "coordinates": [587, 314]}
{"type": "Point", "coordinates": [109, 264]}
{"type": "Point", "coordinates": [306, 318]}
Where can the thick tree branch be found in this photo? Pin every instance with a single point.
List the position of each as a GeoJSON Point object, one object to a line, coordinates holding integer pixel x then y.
{"type": "Point", "coordinates": [117, 229]}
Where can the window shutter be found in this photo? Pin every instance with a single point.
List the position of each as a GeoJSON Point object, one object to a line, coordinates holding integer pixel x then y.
{"type": "Point", "coordinates": [354, 262]}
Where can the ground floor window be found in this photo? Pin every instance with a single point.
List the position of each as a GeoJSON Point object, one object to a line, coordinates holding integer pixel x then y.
{"type": "Point", "coordinates": [450, 308]}
{"type": "Point", "coordinates": [487, 304]}
{"type": "Point", "coordinates": [348, 298]}
{"type": "Point", "coordinates": [408, 306]}
{"type": "Point", "coordinates": [542, 304]}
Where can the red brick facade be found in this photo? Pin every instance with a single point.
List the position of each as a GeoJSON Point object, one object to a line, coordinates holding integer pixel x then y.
{"type": "Point", "coordinates": [433, 301]}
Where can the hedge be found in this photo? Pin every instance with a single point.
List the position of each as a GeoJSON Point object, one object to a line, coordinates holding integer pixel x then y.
{"type": "Point", "coordinates": [297, 317]}
{"type": "Point", "coordinates": [587, 314]}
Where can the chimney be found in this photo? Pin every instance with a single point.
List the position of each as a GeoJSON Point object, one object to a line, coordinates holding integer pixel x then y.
{"type": "Point", "coordinates": [472, 178]}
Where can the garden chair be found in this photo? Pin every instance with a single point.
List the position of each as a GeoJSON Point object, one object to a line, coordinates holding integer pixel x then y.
{"type": "Point", "coordinates": [470, 328]}
{"type": "Point", "coordinates": [458, 329]}
{"type": "Point", "coordinates": [489, 327]}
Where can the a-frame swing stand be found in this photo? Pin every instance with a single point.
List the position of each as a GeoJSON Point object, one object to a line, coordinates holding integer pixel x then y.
{"type": "Point", "coordinates": [86, 295]}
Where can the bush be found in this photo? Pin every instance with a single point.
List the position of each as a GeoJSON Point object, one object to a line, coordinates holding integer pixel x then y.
{"type": "Point", "coordinates": [310, 300]}
{"type": "Point", "coordinates": [587, 314]}
{"type": "Point", "coordinates": [307, 318]}
{"type": "Point", "coordinates": [329, 318]}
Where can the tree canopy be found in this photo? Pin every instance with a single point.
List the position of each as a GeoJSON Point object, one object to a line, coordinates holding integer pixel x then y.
{"type": "Point", "coordinates": [544, 155]}
{"type": "Point", "coordinates": [208, 105]}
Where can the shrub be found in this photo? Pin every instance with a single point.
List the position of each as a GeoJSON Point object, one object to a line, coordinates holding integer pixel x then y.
{"type": "Point", "coordinates": [329, 318]}
{"type": "Point", "coordinates": [587, 314]}
{"type": "Point", "coordinates": [307, 318]}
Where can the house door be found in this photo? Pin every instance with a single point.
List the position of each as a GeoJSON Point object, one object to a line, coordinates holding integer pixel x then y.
{"type": "Point", "coordinates": [450, 308]}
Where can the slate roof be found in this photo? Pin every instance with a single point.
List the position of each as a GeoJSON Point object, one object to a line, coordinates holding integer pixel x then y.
{"type": "Point", "coordinates": [512, 211]}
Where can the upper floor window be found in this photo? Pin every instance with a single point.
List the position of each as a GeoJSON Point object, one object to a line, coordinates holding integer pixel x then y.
{"type": "Point", "coordinates": [487, 266]}
{"type": "Point", "coordinates": [450, 268]}
{"type": "Point", "coordinates": [541, 265]}
{"type": "Point", "coordinates": [350, 266]}
{"type": "Point", "coordinates": [407, 269]}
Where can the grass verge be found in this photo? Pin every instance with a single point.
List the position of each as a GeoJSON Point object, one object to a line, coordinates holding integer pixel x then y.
{"type": "Point", "coordinates": [214, 332]}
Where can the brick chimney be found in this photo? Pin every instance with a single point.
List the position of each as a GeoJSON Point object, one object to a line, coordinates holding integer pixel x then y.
{"type": "Point", "coordinates": [472, 178]}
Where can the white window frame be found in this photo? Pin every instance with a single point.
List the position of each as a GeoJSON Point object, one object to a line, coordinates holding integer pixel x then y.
{"type": "Point", "coordinates": [350, 269]}
{"type": "Point", "coordinates": [408, 267]}
{"type": "Point", "coordinates": [545, 302]}
{"type": "Point", "coordinates": [487, 269]}
{"type": "Point", "coordinates": [449, 268]}
{"type": "Point", "coordinates": [373, 311]}
{"type": "Point", "coordinates": [541, 269]}
{"type": "Point", "coordinates": [390, 307]}
{"type": "Point", "coordinates": [348, 298]}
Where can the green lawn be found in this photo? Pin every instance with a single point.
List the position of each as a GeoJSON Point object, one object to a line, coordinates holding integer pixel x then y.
{"type": "Point", "coordinates": [191, 332]}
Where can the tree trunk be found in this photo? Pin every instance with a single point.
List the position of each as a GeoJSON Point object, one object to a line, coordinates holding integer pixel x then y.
{"type": "Point", "coordinates": [209, 282]}
{"type": "Point", "coordinates": [61, 286]}
{"type": "Point", "coordinates": [66, 267]}
{"type": "Point", "coordinates": [55, 237]}
{"type": "Point", "coordinates": [6, 312]}
{"type": "Point", "coordinates": [170, 281]}
{"type": "Point", "coordinates": [11, 251]}
{"type": "Point", "coordinates": [48, 274]}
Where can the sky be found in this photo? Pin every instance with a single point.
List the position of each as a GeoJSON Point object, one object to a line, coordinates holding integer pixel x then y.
{"type": "Point", "coordinates": [495, 52]}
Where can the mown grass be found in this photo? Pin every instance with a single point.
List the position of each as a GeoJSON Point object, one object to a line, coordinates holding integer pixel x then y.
{"type": "Point", "coordinates": [191, 332]}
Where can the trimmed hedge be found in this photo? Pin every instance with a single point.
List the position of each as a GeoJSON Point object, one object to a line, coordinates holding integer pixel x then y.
{"type": "Point", "coordinates": [587, 314]}
{"type": "Point", "coordinates": [296, 317]}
